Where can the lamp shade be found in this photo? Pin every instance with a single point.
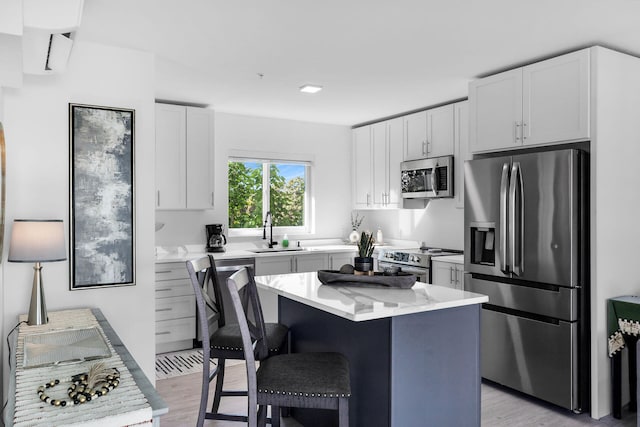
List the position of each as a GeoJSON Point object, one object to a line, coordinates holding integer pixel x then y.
{"type": "Point", "coordinates": [34, 240]}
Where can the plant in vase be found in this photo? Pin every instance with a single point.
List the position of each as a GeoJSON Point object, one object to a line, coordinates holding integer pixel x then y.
{"type": "Point", "coordinates": [364, 261]}
{"type": "Point", "coordinates": [355, 224]}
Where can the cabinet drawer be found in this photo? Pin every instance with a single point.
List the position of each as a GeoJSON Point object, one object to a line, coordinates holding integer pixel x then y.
{"type": "Point", "coordinates": [173, 288]}
{"type": "Point", "coordinates": [175, 330]}
{"type": "Point", "coordinates": [175, 308]}
{"type": "Point", "coordinates": [171, 270]}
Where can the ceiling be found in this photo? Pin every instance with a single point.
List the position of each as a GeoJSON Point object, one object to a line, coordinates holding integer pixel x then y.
{"type": "Point", "coordinates": [374, 58]}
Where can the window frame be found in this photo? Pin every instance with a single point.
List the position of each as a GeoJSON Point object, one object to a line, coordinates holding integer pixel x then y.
{"type": "Point", "coordinates": [266, 160]}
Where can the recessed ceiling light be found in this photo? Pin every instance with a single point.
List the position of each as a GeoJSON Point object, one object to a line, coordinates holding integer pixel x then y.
{"type": "Point", "coordinates": [310, 88]}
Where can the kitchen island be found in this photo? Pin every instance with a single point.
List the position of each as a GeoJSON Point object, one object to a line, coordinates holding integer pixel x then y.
{"type": "Point", "coordinates": [414, 353]}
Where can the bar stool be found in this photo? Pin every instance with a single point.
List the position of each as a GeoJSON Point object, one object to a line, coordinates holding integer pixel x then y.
{"type": "Point", "coordinates": [300, 380]}
{"type": "Point", "coordinates": [225, 343]}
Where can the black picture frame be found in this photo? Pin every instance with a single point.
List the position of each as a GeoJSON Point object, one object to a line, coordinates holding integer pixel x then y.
{"type": "Point", "coordinates": [101, 196]}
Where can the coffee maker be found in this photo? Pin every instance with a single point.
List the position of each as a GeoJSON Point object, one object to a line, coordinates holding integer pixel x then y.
{"type": "Point", "coordinates": [215, 238]}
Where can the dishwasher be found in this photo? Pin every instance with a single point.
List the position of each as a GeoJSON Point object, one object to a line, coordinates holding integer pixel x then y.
{"type": "Point", "coordinates": [225, 268]}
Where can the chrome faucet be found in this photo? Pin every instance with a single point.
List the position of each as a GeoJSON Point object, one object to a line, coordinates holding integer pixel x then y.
{"type": "Point", "coordinates": [268, 218]}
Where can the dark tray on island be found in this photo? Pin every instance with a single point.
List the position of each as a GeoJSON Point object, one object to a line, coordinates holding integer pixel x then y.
{"type": "Point", "coordinates": [379, 280]}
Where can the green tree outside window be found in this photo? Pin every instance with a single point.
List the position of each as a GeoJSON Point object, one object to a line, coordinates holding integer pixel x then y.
{"type": "Point", "coordinates": [285, 196]}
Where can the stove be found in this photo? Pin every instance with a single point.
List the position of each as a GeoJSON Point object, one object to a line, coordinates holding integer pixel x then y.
{"type": "Point", "coordinates": [415, 261]}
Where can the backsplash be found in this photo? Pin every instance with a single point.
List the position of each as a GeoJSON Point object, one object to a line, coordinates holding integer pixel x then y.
{"type": "Point", "coordinates": [440, 224]}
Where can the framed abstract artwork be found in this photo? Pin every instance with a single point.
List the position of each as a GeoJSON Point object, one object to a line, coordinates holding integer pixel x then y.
{"type": "Point", "coordinates": [102, 220]}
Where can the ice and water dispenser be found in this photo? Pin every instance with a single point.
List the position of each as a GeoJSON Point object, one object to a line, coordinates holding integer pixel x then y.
{"type": "Point", "coordinates": [483, 247]}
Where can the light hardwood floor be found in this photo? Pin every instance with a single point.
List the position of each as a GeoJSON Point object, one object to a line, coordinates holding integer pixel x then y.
{"type": "Point", "coordinates": [500, 407]}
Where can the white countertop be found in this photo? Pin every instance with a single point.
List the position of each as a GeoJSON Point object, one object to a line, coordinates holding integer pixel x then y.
{"type": "Point", "coordinates": [358, 303]}
{"type": "Point", "coordinates": [181, 256]}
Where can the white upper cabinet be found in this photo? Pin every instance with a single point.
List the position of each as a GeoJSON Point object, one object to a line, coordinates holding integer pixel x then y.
{"type": "Point", "coordinates": [379, 165]}
{"type": "Point", "coordinates": [394, 155]}
{"type": "Point", "coordinates": [440, 131]}
{"type": "Point", "coordinates": [556, 99]}
{"type": "Point", "coordinates": [199, 159]}
{"type": "Point", "coordinates": [184, 157]}
{"type": "Point", "coordinates": [377, 151]}
{"type": "Point", "coordinates": [542, 103]}
{"type": "Point", "coordinates": [495, 111]}
{"type": "Point", "coordinates": [415, 136]}
{"type": "Point", "coordinates": [362, 159]}
{"type": "Point", "coordinates": [461, 149]}
{"type": "Point", "coordinates": [429, 133]}
{"type": "Point", "coordinates": [171, 155]}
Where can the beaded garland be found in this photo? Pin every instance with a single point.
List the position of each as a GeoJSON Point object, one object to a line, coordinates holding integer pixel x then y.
{"type": "Point", "coordinates": [79, 391]}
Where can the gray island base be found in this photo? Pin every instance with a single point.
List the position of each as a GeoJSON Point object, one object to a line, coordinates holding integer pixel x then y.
{"type": "Point", "coordinates": [414, 354]}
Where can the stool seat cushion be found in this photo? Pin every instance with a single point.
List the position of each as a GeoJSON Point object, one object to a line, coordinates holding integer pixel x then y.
{"type": "Point", "coordinates": [305, 374]}
{"type": "Point", "coordinates": [229, 337]}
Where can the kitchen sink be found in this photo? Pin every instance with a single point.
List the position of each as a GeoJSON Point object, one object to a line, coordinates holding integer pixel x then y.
{"type": "Point", "coordinates": [273, 250]}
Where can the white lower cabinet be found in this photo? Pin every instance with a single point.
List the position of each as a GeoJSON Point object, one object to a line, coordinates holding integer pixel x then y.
{"type": "Point", "coordinates": [283, 264]}
{"type": "Point", "coordinates": [448, 274]}
{"type": "Point", "coordinates": [175, 308]}
{"type": "Point", "coordinates": [337, 260]}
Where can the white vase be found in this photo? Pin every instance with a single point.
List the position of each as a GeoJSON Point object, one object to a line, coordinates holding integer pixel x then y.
{"type": "Point", "coordinates": [354, 236]}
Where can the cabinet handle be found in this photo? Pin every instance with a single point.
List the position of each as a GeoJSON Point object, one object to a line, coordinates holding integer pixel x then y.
{"type": "Point", "coordinates": [424, 147]}
{"type": "Point", "coordinates": [428, 145]}
{"type": "Point", "coordinates": [163, 271]}
{"type": "Point", "coordinates": [163, 309]}
{"type": "Point", "coordinates": [368, 199]}
{"type": "Point", "coordinates": [291, 262]}
{"type": "Point", "coordinates": [296, 259]}
{"type": "Point", "coordinates": [163, 333]}
{"type": "Point", "coordinates": [451, 279]}
{"type": "Point", "coordinates": [158, 198]}
{"type": "Point", "coordinates": [524, 131]}
{"type": "Point", "coordinates": [164, 290]}
{"type": "Point", "coordinates": [517, 131]}
{"type": "Point", "coordinates": [212, 198]}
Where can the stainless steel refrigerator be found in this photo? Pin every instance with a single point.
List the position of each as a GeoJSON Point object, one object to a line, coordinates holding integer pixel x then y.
{"type": "Point", "coordinates": [526, 247]}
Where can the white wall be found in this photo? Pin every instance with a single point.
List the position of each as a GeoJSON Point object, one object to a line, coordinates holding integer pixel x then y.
{"type": "Point", "coordinates": [37, 128]}
{"type": "Point", "coordinates": [1, 271]}
{"type": "Point", "coordinates": [328, 145]}
{"type": "Point", "coordinates": [615, 203]}
{"type": "Point", "coordinates": [439, 225]}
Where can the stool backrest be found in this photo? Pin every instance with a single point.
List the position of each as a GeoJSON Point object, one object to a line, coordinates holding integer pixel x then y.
{"type": "Point", "coordinates": [246, 304]}
{"type": "Point", "coordinates": [204, 279]}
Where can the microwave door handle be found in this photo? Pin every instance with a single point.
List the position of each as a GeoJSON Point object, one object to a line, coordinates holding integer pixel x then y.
{"type": "Point", "coordinates": [434, 171]}
{"type": "Point", "coordinates": [504, 217]}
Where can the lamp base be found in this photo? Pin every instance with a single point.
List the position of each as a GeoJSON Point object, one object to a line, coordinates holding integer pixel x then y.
{"type": "Point", "coordinates": [37, 308]}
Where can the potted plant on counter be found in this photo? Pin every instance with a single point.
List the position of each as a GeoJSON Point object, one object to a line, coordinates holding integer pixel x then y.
{"type": "Point", "coordinates": [363, 263]}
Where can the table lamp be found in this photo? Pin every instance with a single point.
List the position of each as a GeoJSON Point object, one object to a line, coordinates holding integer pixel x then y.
{"type": "Point", "coordinates": [38, 241]}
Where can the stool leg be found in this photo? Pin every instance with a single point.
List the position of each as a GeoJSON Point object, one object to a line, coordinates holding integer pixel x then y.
{"type": "Point", "coordinates": [616, 385]}
{"type": "Point", "coordinates": [275, 416]}
{"type": "Point", "coordinates": [343, 412]}
{"type": "Point", "coordinates": [218, 390]}
{"type": "Point", "coordinates": [632, 373]}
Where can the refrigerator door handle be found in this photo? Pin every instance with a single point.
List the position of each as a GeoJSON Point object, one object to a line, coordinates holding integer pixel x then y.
{"type": "Point", "coordinates": [520, 206]}
{"type": "Point", "coordinates": [512, 217]}
{"type": "Point", "coordinates": [504, 218]}
{"type": "Point", "coordinates": [516, 224]}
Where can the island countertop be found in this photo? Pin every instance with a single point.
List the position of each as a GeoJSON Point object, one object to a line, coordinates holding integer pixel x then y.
{"type": "Point", "coordinates": [358, 303]}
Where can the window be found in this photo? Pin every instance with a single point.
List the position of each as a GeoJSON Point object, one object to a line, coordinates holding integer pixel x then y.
{"type": "Point", "coordinates": [260, 186]}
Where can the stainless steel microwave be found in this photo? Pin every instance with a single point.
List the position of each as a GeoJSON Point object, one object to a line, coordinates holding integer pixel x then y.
{"type": "Point", "coordinates": [427, 178]}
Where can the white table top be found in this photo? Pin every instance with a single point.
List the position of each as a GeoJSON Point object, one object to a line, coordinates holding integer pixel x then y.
{"type": "Point", "coordinates": [359, 303]}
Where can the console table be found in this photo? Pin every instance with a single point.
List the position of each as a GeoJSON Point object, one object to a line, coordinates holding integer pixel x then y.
{"type": "Point", "coordinates": [134, 401]}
